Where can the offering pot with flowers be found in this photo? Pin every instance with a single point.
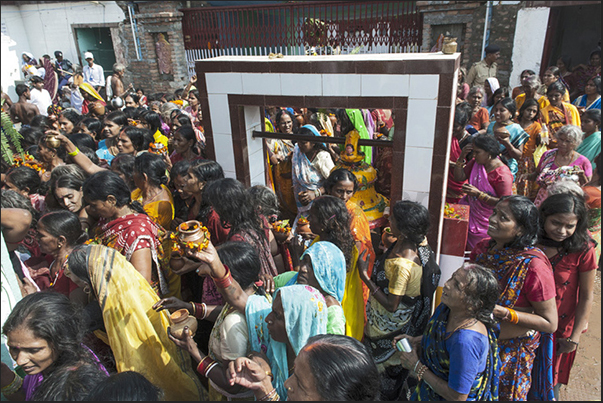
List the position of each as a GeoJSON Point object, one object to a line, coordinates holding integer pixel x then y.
{"type": "Point", "coordinates": [190, 235]}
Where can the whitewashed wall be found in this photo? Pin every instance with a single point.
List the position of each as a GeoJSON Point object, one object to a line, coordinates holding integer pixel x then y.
{"type": "Point", "coordinates": [528, 45]}
{"type": "Point", "coordinates": [45, 27]}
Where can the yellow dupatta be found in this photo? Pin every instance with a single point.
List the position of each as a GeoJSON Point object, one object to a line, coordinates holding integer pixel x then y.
{"type": "Point", "coordinates": [137, 334]}
{"type": "Point", "coordinates": [352, 303]}
{"type": "Point", "coordinates": [162, 211]}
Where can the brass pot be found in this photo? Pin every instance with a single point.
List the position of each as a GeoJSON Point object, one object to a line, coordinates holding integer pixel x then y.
{"type": "Point", "coordinates": [449, 46]}
{"type": "Point", "coordinates": [52, 141]}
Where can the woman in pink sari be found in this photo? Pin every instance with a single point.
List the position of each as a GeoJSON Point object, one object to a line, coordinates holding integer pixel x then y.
{"type": "Point", "coordinates": [489, 179]}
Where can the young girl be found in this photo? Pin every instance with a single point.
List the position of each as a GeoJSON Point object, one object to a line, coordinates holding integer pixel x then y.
{"type": "Point", "coordinates": [528, 120]}
{"type": "Point", "coordinates": [565, 240]}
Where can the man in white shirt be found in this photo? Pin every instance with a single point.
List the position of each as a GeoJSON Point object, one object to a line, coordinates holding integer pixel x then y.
{"type": "Point", "coordinates": [93, 73]}
{"type": "Point", "coordinates": [39, 96]}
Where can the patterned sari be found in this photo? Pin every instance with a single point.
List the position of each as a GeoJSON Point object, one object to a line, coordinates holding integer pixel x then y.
{"type": "Point", "coordinates": [527, 164]}
{"type": "Point", "coordinates": [593, 199]}
{"type": "Point", "coordinates": [518, 137]}
{"type": "Point", "coordinates": [479, 212]}
{"type": "Point", "coordinates": [435, 355]}
{"type": "Point", "coordinates": [527, 361]}
{"type": "Point", "coordinates": [136, 333]}
{"type": "Point", "coordinates": [305, 312]}
{"type": "Point", "coordinates": [410, 318]}
{"type": "Point", "coordinates": [132, 232]}
{"type": "Point", "coordinates": [555, 118]}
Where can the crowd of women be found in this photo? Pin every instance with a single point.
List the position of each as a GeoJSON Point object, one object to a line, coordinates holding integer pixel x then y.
{"type": "Point", "coordinates": [97, 281]}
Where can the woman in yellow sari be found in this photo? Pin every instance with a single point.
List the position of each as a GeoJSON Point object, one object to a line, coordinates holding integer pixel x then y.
{"type": "Point", "coordinates": [150, 179]}
{"type": "Point", "coordinates": [558, 113]}
{"type": "Point", "coordinates": [136, 333]}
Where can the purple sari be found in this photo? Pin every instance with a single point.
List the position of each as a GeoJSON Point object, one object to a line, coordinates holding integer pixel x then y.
{"type": "Point", "coordinates": [479, 212]}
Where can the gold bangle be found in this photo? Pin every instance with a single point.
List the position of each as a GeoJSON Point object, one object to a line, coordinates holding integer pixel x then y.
{"type": "Point", "coordinates": [514, 317]}
{"type": "Point", "coordinates": [194, 308]}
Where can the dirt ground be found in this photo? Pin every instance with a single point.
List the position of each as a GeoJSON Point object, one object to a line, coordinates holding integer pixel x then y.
{"type": "Point", "coordinates": [585, 378]}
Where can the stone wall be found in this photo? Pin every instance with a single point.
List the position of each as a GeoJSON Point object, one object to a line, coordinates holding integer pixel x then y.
{"type": "Point", "coordinates": [153, 18]}
{"type": "Point", "coordinates": [471, 16]}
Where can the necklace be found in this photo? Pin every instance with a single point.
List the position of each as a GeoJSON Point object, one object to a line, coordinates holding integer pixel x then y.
{"type": "Point", "coordinates": [463, 325]}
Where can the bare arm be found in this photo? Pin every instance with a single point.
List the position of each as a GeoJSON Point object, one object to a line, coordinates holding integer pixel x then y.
{"type": "Point", "coordinates": [15, 224]}
{"type": "Point", "coordinates": [585, 303]}
{"type": "Point", "coordinates": [389, 301]}
{"type": "Point", "coordinates": [80, 158]}
{"type": "Point", "coordinates": [143, 263]}
{"type": "Point", "coordinates": [544, 319]}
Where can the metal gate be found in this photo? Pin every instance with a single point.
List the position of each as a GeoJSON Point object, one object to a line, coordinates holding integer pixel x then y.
{"type": "Point", "coordinates": [302, 28]}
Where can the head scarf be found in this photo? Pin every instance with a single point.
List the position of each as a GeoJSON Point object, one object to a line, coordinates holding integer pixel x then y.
{"type": "Point", "coordinates": [90, 90]}
{"type": "Point", "coordinates": [32, 60]}
{"type": "Point", "coordinates": [328, 263]}
{"type": "Point", "coordinates": [314, 131]}
{"type": "Point", "coordinates": [305, 312]}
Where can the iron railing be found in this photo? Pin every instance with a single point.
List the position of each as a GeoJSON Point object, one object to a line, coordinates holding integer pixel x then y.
{"type": "Point", "coordinates": [302, 28]}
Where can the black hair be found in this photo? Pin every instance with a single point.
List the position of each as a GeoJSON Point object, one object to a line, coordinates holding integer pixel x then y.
{"type": "Point", "coordinates": [332, 212]}
{"type": "Point", "coordinates": [91, 154]}
{"type": "Point", "coordinates": [52, 317]}
{"type": "Point", "coordinates": [40, 121]}
{"type": "Point", "coordinates": [343, 368]}
{"type": "Point", "coordinates": [530, 72]}
{"type": "Point", "coordinates": [230, 200]}
{"type": "Point", "coordinates": [481, 293]}
{"type": "Point", "coordinates": [132, 112]}
{"type": "Point", "coordinates": [509, 104]}
{"type": "Point", "coordinates": [487, 143]}
{"type": "Point", "coordinates": [527, 217]}
{"type": "Point", "coordinates": [117, 117]}
{"type": "Point", "coordinates": [412, 220]}
{"type": "Point", "coordinates": [182, 118]}
{"type": "Point", "coordinates": [339, 175]}
{"type": "Point", "coordinates": [243, 261]}
{"type": "Point", "coordinates": [61, 151]}
{"type": "Point", "coordinates": [24, 177]}
{"type": "Point", "coordinates": [124, 163]}
{"type": "Point", "coordinates": [528, 103]}
{"type": "Point", "coordinates": [138, 137]}
{"type": "Point", "coordinates": [180, 168]}
{"type": "Point", "coordinates": [153, 166]}
{"type": "Point", "coordinates": [264, 200]}
{"type": "Point", "coordinates": [566, 60]}
{"type": "Point", "coordinates": [593, 114]}
{"type": "Point", "coordinates": [21, 89]}
{"type": "Point", "coordinates": [188, 133]}
{"type": "Point", "coordinates": [134, 97]}
{"type": "Point", "coordinates": [104, 183]}
{"type": "Point", "coordinates": [502, 90]}
{"type": "Point", "coordinates": [153, 119]}
{"type": "Point", "coordinates": [462, 114]}
{"type": "Point", "coordinates": [125, 386]}
{"type": "Point", "coordinates": [557, 86]}
{"type": "Point", "coordinates": [206, 170]}
{"type": "Point", "coordinates": [554, 71]}
{"type": "Point", "coordinates": [279, 115]}
{"type": "Point", "coordinates": [178, 92]}
{"type": "Point", "coordinates": [307, 132]}
{"type": "Point", "coordinates": [597, 81]}
{"type": "Point", "coordinates": [64, 223]}
{"type": "Point", "coordinates": [344, 121]}
{"type": "Point", "coordinates": [567, 203]}
{"type": "Point", "coordinates": [93, 124]}
{"type": "Point", "coordinates": [31, 135]}
{"type": "Point", "coordinates": [72, 115]}
{"type": "Point", "coordinates": [195, 93]}
{"type": "Point", "coordinates": [83, 140]}
{"type": "Point", "coordinates": [70, 383]}
{"type": "Point", "coordinates": [78, 264]}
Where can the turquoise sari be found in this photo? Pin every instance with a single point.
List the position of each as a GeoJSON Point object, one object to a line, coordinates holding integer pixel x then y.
{"type": "Point", "coordinates": [518, 138]}
{"type": "Point", "coordinates": [435, 356]}
{"type": "Point", "coordinates": [591, 147]}
{"type": "Point", "coordinates": [305, 313]}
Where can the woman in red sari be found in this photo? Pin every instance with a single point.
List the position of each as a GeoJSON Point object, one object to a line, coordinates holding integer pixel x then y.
{"type": "Point", "coordinates": [565, 240]}
{"type": "Point", "coordinates": [124, 226]}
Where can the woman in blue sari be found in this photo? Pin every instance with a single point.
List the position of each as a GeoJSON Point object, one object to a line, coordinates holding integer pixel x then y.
{"type": "Point", "coordinates": [278, 328]}
{"type": "Point", "coordinates": [461, 335]}
{"type": "Point", "coordinates": [510, 135]}
{"type": "Point", "coordinates": [311, 165]}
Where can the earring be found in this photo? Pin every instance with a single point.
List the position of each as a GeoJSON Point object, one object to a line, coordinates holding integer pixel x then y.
{"type": "Point", "coordinates": [86, 289]}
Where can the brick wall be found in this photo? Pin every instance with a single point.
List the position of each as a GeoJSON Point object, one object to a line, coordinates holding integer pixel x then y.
{"type": "Point", "coordinates": [472, 16]}
{"type": "Point", "coordinates": [153, 18]}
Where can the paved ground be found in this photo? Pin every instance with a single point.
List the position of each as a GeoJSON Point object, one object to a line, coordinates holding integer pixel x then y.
{"type": "Point", "coordinates": [585, 378]}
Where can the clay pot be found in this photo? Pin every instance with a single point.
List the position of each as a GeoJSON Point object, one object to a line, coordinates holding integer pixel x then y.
{"type": "Point", "coordinates": [179, 320]}
{"type": "Point", "coordinates": [52, 141]}
{"type": "Point", "coordinates": [195, 235]}
{"type": "Point", "coordinates": [387, 238]}
{"type": "Point", "coordinates": [303, 227]}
